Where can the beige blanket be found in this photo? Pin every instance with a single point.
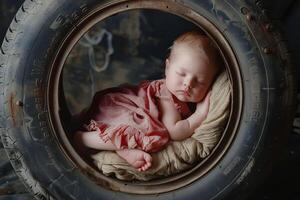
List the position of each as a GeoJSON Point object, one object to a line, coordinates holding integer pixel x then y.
{"type": "Point", "coordinates": [177, 156]}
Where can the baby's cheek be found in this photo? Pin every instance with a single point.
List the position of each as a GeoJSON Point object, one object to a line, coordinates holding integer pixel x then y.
{"type": "Point", "coordinates": [200, 95]}
{"type": "Point", "coordinates": [173, 79]}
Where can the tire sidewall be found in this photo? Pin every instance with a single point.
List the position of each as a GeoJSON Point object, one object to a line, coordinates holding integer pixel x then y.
{"type": "Point", "coordinates": [259, 128]}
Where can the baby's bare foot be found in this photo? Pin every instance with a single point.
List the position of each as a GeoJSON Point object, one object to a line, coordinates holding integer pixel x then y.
{"type": "Point", "coordinates": [137, 158]}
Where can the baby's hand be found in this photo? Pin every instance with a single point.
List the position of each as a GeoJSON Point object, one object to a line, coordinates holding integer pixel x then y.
{"type": "Point", "coordinates": [203, 106]}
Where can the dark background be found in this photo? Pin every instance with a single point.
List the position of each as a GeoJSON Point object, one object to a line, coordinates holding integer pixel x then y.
{"type": "Point", "coordinates": [282, 183]}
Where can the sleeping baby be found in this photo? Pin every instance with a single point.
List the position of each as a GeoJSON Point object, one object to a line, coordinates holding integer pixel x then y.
{"type": "Point", "coordinates": [137, 120]}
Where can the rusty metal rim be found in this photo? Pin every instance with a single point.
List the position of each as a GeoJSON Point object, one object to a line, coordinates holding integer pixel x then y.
{"type": "Point", "coordinates": [165, 184]}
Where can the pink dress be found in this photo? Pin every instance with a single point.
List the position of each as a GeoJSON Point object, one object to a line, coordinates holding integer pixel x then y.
{"type": "Point", "coordinates": [130, 117]}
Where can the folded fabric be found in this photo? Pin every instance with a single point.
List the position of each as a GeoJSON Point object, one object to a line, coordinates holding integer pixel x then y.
{"type": "Point", "coordinates": [178, 155]}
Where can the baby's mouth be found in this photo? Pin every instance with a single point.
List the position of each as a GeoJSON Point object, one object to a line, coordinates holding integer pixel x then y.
{"type": "Point", "coordinates": [185, 93]}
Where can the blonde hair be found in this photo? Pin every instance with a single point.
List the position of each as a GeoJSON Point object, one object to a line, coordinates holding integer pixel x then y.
{"type": "Point", "coordinates": [201, 43]}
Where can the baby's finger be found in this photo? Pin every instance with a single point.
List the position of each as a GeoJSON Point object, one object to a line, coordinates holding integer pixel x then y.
{"type": "Point", "coordinates": [208, 95]}
{"type": "Point", "coordinates": [207, 99]}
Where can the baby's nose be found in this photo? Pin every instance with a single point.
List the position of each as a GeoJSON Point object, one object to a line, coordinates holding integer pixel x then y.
{"type": "Point", "coordinates": [188, 83]}
{"type": "Point", "coordinates": [187, 87]}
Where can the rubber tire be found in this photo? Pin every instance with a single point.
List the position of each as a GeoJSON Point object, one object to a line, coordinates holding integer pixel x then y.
{"type": "Point", "coordinates": [26, 59]}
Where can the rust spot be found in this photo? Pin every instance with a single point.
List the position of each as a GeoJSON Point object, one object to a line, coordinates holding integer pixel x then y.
{"type": "Point", "coordinates": [245, 11]}
{"type": "Point", "coordinates": [19, 103]}
{"type": "Point", "coordinates": [249, 17]}
{"type": "Point", "coordinates": [267, 50]}
{"type": "Point", "coordinates": [269, 27]}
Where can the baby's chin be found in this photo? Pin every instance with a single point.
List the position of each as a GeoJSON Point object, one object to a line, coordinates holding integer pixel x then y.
{"type": "Point", "coordinates": [186, 99]}
{"type": "Point", "coordinates": [189, 99]}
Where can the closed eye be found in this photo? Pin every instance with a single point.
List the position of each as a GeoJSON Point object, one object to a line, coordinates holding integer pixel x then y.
{"type": "Point", "coordinates": [180, 73]}
{"type": "Point", "coordinates": [199, 82]}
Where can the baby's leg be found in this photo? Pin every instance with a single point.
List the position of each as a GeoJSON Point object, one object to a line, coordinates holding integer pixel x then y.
{"type": "Point", "coordinates": [91, 139]}
{"type": "Point", "coordinates": [137, 158]}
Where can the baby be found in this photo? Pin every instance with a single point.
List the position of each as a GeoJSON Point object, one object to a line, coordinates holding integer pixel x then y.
{"type": "Point", "coordinates": [137, 120]}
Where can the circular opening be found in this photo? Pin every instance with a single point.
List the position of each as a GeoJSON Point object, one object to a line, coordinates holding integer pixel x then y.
{"type": "Point", "coordinates": [129, 47]}
{"type": "Point", "coordinates": [90, 32]}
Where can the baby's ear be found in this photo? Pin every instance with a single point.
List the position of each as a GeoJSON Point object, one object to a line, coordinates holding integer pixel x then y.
{"type": "Point", "coordinates": [167, 63]}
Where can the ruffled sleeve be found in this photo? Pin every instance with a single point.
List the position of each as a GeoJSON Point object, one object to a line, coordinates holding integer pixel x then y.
{"type": "Point", "coordinates": [161, 90]}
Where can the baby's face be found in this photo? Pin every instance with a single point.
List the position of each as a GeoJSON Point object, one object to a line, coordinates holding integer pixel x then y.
{"type": "Point", "coordinates": [188, 74]}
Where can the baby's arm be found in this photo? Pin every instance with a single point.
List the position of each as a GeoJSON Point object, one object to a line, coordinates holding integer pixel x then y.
{"type": "Point", "coordinates": [181, 129]}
